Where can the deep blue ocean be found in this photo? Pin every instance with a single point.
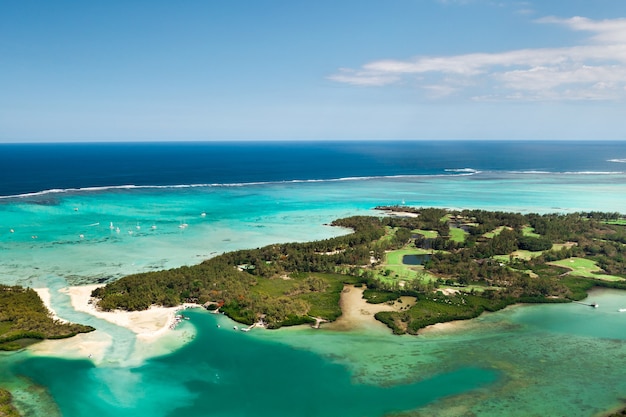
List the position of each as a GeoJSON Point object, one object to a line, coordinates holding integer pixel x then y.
{"type": "Point", "coordinates": [31, 168]}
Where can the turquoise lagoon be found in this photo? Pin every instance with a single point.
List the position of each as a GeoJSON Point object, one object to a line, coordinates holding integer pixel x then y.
{"type": "Point", "coordinates": [525, 360]}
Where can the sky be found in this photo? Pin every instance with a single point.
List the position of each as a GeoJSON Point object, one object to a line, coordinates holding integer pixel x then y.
{"type": "Point", "coordinates": [312, 69]}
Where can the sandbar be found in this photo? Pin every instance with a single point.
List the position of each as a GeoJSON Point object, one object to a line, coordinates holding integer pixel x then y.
{"type": "Point", "coordinates": [147, 324]}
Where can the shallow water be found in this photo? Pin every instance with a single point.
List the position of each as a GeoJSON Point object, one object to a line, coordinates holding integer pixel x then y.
{"type": "Point", "coordinates": [69, 234]}
{"type": "Point", "coordinates": [544, 368]}
{"type": "Point", "coordinates": [507, 363]}
{"type": "Point", "coordinates": [223, 372]}
{"type": "Point", "coordinates": [537, 360]}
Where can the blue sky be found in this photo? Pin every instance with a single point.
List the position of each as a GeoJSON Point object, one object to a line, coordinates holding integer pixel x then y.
{"type": "Point", "coordinates": [304, 70]}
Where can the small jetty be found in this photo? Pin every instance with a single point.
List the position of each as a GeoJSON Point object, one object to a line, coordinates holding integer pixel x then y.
{"type": "Point", "coordinates": [179, 317]}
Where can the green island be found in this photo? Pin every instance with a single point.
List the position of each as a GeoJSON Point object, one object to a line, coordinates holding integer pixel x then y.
{"type": "Point", "coordinates": [24, 320]}
{"type": "Point", "coordinates": [455, 264]}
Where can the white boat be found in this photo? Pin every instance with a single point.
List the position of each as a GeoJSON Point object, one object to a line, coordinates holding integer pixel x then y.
{"type": "Point", "coordinates": [111, 226]}
{"type": "Point", "coordinates": [153, 227]}
{"type": "Point", "coordinates": [622, 310]}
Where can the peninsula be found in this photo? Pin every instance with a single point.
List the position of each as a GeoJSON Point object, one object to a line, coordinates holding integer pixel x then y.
{"type": "Point", "coordinates": [455, 264]}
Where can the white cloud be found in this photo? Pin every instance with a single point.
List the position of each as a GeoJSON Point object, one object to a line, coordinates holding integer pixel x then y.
{"type": "Point", "coordinates": [595, 70]}
{"type": "Point", "coordinates": [349, 76]}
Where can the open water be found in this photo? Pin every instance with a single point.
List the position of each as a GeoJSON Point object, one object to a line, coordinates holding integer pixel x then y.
{"type": "Point", "coordinates": [85, 213]}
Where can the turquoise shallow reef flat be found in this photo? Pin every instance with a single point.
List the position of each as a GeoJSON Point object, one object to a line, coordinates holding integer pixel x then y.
{"type": "Point", "coordinates": [526, 360]}
{"type": "Point", "coordinates": [551, 359]}
{"type": "Point", "coordinates": [510, 363]}
{"type": "Point", "coordinates": [95, 236]}
{"type": "Point", "coordinates": [223, 372]}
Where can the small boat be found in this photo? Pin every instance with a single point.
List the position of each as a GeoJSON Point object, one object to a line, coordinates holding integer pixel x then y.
{"type": "Point", "coordinates": [111, 226]}
{"type": "Point", "coordinates": [235, 327]}
{"type": "Point", "coordinates": [622, 310]}
{"type": "Point", "coordinates": [203, 214]}
{"type": "Point", "coordinates": [153, 227]}
{"type": "Point", "coordinates": [183, 225]}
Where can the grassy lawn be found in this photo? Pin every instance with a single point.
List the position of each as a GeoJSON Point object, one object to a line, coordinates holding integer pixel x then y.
{"type": "Point", "coordinates": [394, 270]}
{"type": "Point", "coordinates": [494, 232]}
{"type": "Point", "coordinates": [395, 257]}
{"type": "Point", "coordinates": [529, 231]}
{"type": "Point", "coordinates": [519, 254]}
{"type": "Point", "coordinates": [324, 304]}
{"type": "Point", "coordinates": [559, 246]}
{"type": "Point", "coordinates": [428, 234]}
{"type": "Point", "coordinates": [620, 222]}
{"type": "Point", "coordinates": [457, 235]}
{"type": "Point", "coordinates": [585, 268]}
{"type": "Point", "coordinates": [469, 288]}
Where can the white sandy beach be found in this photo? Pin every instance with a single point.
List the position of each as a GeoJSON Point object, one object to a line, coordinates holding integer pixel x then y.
{"type": "Point", "coordinates": [148, 325]}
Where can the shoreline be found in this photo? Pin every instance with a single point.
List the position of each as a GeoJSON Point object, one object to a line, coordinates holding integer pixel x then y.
{"type": "Point", "coordinates": [148, 326]}
{"type": "Point", "coordinates": [46, 298]}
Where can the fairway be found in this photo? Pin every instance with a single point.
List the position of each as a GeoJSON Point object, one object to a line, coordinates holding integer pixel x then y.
{"type": "Point", "coordinates": [394, 269]}
{"type": "Point", "coordinates": [495, 232]}
{"type": "Point", "coordinates": [518, 254]}
{"type": "Point", "coordinates": [457, 235]}
{"type": "Point", "coordinates": [428, 234]}
{"type": "Point", "coordinates": [585, 268]}
{"type": "Point", "coordinates": [529, 231]}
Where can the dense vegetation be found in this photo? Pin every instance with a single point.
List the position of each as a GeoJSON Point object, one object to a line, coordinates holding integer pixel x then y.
{"type": "Point", "coordinates": [283, 284]}
{"type": "Point", "coordinates": [24, 319]}
{"type": "Point", "coordinates": [496, 259]}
